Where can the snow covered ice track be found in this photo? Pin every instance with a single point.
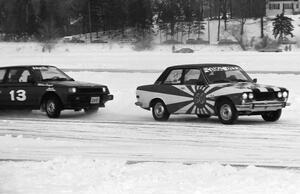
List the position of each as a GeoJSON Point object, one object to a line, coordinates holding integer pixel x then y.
{"type": "Point", "coordinates": [175, 141]}
{"type": "Point", "coordinates": [124, 131]}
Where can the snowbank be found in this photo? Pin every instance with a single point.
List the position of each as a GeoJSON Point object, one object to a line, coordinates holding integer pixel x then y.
{"type": "Point", "coordinates": [84, 176]}
{"type": "Point", "coordinates": [101, 57]}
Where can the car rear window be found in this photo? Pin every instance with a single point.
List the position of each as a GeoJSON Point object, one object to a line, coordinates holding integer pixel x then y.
{"type": "Point", "coordinates": [18, 75]}
{"type": "Point", "coordinates": [2, 74]}
{"type": "Point", "coordinates": [174, 77]}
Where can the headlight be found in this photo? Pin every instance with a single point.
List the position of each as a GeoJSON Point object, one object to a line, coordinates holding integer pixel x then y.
{"type": "Point", "coordinates": [104, 90]}
{"type": "Point", "coordinates": [251, 96]}
{"type": "Point", "coordinates": [285, 94]}
{"type": "Point", "coordinates": [72, 90]}
{"type": "Point", "coordinates": [279, 94]}
{"type": "Point", "coordinates": [245, 96]}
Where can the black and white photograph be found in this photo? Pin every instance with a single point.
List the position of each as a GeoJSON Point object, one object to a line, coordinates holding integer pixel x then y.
{"type": "Point", "coordinates": [149, 96]}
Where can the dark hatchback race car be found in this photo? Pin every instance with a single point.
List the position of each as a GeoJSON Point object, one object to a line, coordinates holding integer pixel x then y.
{"type": "Point", "coordinates": [209, 90]}
{"type": "Point", "coordinates": [49, 89]}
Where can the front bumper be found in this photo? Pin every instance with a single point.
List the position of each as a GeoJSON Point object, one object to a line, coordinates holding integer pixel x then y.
{"type": "Point", "coordinates": [261, 106]}
{"type": "Point", "coordinates": [79, 101]}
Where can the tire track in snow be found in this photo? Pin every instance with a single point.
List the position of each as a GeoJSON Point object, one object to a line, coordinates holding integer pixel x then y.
{"type": "Point", "coordinates": [272, 144]}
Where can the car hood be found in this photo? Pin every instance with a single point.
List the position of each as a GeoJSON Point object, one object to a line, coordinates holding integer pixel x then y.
{"type": "Point", "coordinates": [248, 87]}
{"type": "Point", "coordinates": [74, 84]}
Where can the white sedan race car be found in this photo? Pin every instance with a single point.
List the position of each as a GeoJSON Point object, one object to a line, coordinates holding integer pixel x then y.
{"type": "Point", "coordinates": [209, 90]}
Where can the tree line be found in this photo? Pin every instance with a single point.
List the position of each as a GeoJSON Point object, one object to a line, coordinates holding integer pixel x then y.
{"type": "Point", "coordinates": [46, 19]}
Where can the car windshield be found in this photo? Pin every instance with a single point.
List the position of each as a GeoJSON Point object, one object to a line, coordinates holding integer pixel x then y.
{"type": "Point", "coordinates": [50, 74]}
{"type": "Point", "coordinates": [225, 74]}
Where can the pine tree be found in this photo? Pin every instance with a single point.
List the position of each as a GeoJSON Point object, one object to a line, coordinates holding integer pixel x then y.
{"type": "Point", "coordinates": [282, 26]}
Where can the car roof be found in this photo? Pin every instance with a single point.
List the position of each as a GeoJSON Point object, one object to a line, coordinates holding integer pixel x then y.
{"type": "Point", "coordinates": [25, 66]}
{"type": "Point", "coordinates": [200, 65]}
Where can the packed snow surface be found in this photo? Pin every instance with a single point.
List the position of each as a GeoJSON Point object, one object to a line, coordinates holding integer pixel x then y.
{"type": "Point", "coordinates": [84, 176]}
{"type": "Point", "coordinates": [122, 150]}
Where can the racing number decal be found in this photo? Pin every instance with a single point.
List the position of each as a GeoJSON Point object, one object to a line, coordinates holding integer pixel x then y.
{"type": "Point", "coordinates": [19, 95]}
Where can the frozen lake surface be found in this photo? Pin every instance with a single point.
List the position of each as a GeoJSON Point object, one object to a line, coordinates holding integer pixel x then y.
{"type": "Point", "coordinates": [122, 150]}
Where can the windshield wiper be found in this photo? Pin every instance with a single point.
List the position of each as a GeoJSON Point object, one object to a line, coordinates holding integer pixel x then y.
{"type": "Point", "coordinates": [221, 81]}
{"type": "Point", "coordinates": [239, 80]}
{"type": "Point", "coordinates": [56, 79]}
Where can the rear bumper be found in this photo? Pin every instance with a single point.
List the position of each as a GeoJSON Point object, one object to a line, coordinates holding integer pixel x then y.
{"type": "Point", "coordinates": [139, 104]}
{"type": "Point", "coordinates": [261, 106]}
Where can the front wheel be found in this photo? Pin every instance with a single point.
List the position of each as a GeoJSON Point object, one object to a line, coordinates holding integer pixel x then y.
{"type": "Point", "coordinates": [160, 112]}
{"type": "Point", "coordinates": [272, 116]}
{"type": "Point", "coordinates": [53, 107]}
{"type": "Point", "coordinates": [227, 112]}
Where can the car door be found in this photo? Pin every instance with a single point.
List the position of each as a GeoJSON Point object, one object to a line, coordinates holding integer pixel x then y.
{"type": "Point", "coordinates": [2, 92]}
{"type": "Point", "coordinates": [197, 85]}
{"type": "Point", "coordinates": [18, 89]}
{"type": "Point", "coordinates": [193, 84]}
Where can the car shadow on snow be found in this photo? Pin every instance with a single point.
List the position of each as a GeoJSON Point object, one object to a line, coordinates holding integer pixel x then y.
{"type": "Point", "coordinates": [253, 120]}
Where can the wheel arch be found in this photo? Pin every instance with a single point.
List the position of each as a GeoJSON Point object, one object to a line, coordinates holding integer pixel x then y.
{"type": "Point", "coordinates": [221, 99]}
{"type": "Point", "coordinates": [151, 104]}
{"type": "Point", "coordinates": [46, 96]}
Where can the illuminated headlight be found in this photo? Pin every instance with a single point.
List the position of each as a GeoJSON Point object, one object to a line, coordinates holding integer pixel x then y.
{"type": "Point", "coordinates": [72, 90]}
{"type": "Point", "coordinates": [104, 90]}
{"type": "Point", "coordinates": [279, 94]}
{"type": "Point", "coordinates": [245, 96]}
{"type": "Point", "coordinates": [251, 96]}
{"type": "Point", "coordinates": [285, 94]}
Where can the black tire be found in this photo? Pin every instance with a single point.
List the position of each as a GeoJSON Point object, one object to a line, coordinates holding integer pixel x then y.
{"type": "Point", "coordinates": [160, 112]}
{"type": "Point", "coordinates": [53, 107]}
{"type": "Point", "coordinates": [227, 112]}
{"type": "Point", "coordinates": [91, 110]}
{"type": "Point", "coordinates": [203, 116]}
{"type": "Point", "coordinates": [272, 116]}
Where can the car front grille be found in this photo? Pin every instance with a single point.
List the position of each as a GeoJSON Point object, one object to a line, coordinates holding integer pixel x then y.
{"type": "Point", "coordinates": [262, 96]}
{"type": "Point", "coordinates": [89, 90]}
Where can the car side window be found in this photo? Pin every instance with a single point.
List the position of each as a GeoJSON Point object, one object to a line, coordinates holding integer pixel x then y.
{"type": "Point", "coordinates": [174, 77]}
{"type": "Point", "coordinates": [192, 76]}
{"type": "Point", "coordinates": [2, 74]}
{"type": "Point", "coordinates": [18, 76]}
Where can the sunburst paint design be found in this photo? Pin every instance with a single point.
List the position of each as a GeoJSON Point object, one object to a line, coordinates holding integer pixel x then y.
{"type": "Point", "coordinates": [201, 100]}
{"type": "Point", "coordinates": [196, 99]}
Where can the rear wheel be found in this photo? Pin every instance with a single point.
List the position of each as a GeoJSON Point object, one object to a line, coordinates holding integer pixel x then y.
{"type": "Point", "coordinates": [227, 112]}
{"type": "Point", "coordinates": [160, 112]}
{"type": "Point", "coordinates": [53, 107]}
{"type": "Point", "coordinates": [272, 116]}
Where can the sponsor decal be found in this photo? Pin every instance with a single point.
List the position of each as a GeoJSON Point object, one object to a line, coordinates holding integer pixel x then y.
{"type": "Point", "coordinates": [40, 68]}
{"type": "Point", "coordinates": [220, 68]}
{"type": "Point", "coordinates": [46, 85]}
{"type": "Point", "coordinates": [50, 90]}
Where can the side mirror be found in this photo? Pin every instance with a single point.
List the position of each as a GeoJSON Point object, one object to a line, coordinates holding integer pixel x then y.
{"type": "Point", "coordinates": [201, 83]}
{"type": "Point", "coordinates": [255, 80]}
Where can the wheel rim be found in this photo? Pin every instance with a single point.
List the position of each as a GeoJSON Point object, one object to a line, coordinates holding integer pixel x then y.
{"type": "Point", "coordinates": [226, 112]}
{"type": "Point", "coordinates": [51, 107]}
{"type": "Point", "coordinates": [159, 110]}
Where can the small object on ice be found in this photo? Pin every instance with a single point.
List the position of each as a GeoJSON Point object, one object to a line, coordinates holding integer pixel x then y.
{"type": "Point", "coordinates": [184, 50]}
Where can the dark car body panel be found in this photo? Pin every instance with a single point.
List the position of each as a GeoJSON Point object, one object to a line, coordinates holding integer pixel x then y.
{"type": "Point", "coordinates": [30, 95]}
